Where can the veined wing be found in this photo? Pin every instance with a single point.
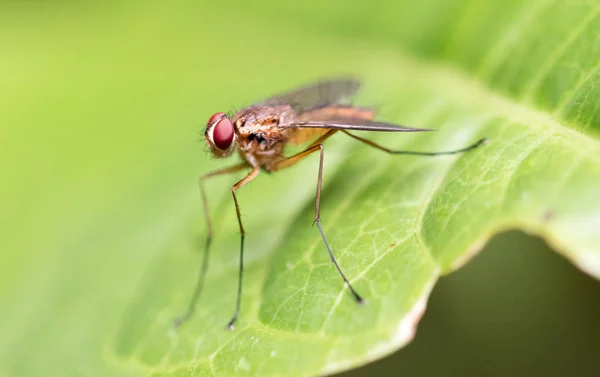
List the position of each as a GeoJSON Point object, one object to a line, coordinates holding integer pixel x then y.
{"type": "Point", "coordinates": [355, 125]}
{"type": "Point", "coordinates": [332, 91]}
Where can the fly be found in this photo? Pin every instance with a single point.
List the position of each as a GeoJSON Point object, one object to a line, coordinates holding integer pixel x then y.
{"type": "Point", "coordinates": [260, 133]}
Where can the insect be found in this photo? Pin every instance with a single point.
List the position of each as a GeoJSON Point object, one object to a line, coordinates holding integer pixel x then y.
{"type": "Point", "coordinates": [260, 133]}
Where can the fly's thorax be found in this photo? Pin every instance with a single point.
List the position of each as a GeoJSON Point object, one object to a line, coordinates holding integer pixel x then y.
{"type": "Point", "coordinates": [260, 116]}
{"type": "Point", "coordinates": [262, 143]}
{"type": "Point", "coordinates": [259, 135]}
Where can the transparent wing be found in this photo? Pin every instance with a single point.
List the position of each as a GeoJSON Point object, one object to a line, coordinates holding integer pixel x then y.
{"type": "Point", "coordinates": [356, 125]}
{"type": "Point", "coordinates": [333, 91]}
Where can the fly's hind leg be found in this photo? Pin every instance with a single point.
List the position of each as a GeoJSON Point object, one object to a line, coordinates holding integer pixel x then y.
{"type": "Point", "coordinates": [413, 153]}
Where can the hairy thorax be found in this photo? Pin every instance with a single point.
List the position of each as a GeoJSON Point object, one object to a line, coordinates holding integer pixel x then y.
{"type": "Point", "coordinates": [262, 133]}
{"type": "Point", "coordinates": [261, 140]}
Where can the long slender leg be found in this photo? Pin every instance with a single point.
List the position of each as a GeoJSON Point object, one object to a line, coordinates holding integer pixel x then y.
{"type": "Point", "coordinates": [204, 267]}
{"type": "Point", "coordinates": [246, 179]}
{"type": "Point", "coordinates": [293, 160]}
{"type": "Point", "coordinates": [369, 142]}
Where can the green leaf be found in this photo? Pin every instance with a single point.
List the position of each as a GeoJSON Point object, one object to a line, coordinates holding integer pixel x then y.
{"type": "Point", "coordinates": [102, 108]}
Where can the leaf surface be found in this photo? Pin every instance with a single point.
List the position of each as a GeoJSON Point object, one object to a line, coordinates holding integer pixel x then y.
{"type": "Point", "coordinates": [103, 227]}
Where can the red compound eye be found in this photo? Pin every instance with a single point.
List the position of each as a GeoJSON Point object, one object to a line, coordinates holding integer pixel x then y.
{"type": "Point", "coordinates": [223, 132]}
{"type": "Point", "coordinates": [215, 117]}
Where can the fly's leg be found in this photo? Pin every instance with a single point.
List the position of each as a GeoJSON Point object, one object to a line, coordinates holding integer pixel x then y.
{"type": "Point", "coordinates": [321, 148]}
{"type": "Point", "coordinates": [318, 146]}
{"type": "Point", "coordinates": [387, 150]}
{"type": "Point", "coordinates": [204, 267]}
{"type": "Point", "coordinates": [246, 179]}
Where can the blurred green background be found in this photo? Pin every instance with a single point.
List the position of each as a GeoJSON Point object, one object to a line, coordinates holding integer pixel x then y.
{"type": "Point", "coordinates": [101, 111]}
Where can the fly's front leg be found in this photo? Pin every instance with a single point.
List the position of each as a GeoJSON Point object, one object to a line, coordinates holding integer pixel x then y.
{"type": "Point", "coordinates": [246, 179]}
{"type": "Point", "coordinates": [318, 146]}
{"type": "Point", "coordinates": [204, 267]}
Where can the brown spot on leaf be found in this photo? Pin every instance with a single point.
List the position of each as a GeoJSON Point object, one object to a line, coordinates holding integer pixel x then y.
{"type": "Point", "coordinates": [548, 216]}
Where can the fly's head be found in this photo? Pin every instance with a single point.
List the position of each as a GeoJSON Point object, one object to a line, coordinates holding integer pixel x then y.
{"type": "Point", "coordinates": [220, 135]}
